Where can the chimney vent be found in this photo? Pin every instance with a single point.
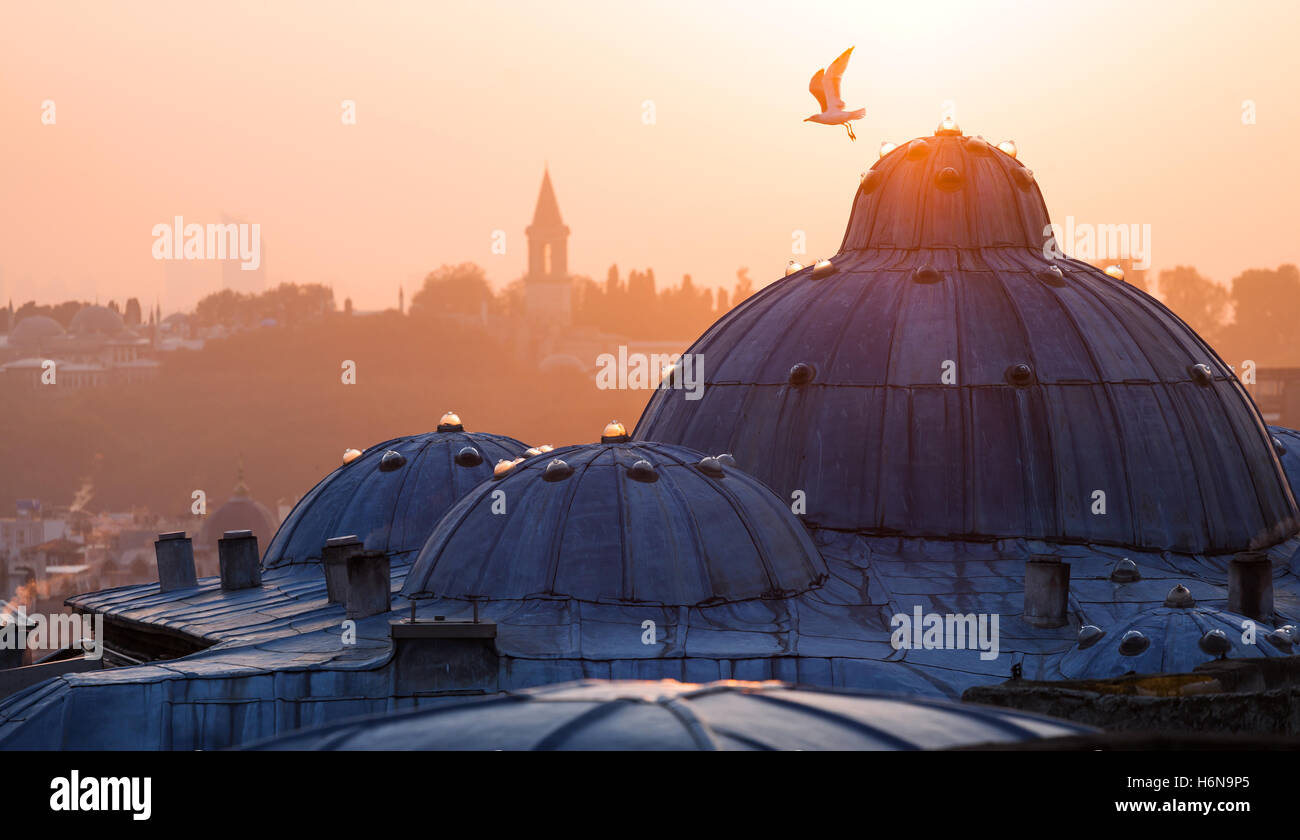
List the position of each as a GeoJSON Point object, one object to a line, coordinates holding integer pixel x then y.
{"type": "Point", "coordinates": [175, 554]}
{"type": "Point", "coordinates": [334, 559]}
{"type": "Point", "coordinates": [1047, 591]}
{"type": "Point", "coordinates": [1250, 585]}
{"type": "Point", "coordinates": [445, 656]}
{"type": "Point", "coordinates": [240, 561]}
{"type": "Point", "coordinates": [370, 589]}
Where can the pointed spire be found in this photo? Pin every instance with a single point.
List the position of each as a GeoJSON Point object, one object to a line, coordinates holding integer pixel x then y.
{"type": "Point", "coordinates": [547, 214]}
{"type": "Point", "coordinates": [241, 489]}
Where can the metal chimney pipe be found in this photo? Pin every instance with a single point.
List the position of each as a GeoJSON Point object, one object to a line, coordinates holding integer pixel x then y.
{"type": "Point", "coordinates": [240, 561]}
{"type": "Point", "coordinates": [175, 554]}
{"type": "Point", "coordinates": [1250, 585]}
{"type": "Point", "coordinates": [334, 558]}
{"type": "Point", "coordinates": [1047, 591]}
{"type": "Point", "coordinates": [370, 588]}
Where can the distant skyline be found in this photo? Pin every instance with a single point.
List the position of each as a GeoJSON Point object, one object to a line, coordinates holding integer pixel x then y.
{"type": "Point", "coordinates": [1128, 113]}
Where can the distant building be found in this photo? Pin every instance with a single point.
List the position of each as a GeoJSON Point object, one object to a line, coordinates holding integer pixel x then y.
{"type": "Point", "coordinates": [54, 557]}
{"type": "Point", "coordinates": [1277, 393]}
{"type": "Point", "coordinates": [19, 535]}
{"type": "Point", "coordinates": [548, 288]}
{"type": "Point", "coordinates": [552, 341]}
{"type": "Point", "coordinates": [96, 350]}
{"type": "Point", "coordinates": [241, 512]}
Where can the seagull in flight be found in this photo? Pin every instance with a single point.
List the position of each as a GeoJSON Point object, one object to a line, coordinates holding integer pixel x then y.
{"type": "Point", "coordinates": [825, 85]}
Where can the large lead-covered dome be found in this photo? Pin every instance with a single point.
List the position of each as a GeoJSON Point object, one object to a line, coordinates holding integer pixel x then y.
{"type": "Point", "coordinates": [97, 320]}
{"type": "Point", "coordinates": [31, 332]}
{"type": "Point", "coordinates": [391, 495]}
{"type": "Point", "coordinates": [618, 522]}
{"type": "Point", "coordinates": [943, 376]}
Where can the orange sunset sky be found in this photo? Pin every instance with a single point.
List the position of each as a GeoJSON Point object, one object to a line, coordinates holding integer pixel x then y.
{"type": "Point", "coordinates": [1128, 112]}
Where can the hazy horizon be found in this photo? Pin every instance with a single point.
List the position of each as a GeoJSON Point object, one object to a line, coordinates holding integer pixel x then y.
{"type": "Point", "coordinates": [234, 109]}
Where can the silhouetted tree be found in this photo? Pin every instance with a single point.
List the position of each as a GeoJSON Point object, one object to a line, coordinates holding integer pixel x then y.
{"type": "Point", "coordinates": [1266, 310]}
{"type": "Point", "coordinates": [1199, 301]}
{"type": "Point", "coordinates": [744, 286]}
{"type": "Point", "coordinates": [452, 289]}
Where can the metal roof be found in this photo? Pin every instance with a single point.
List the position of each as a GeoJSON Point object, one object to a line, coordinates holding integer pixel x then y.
{"type": "Point", "coordinates": [921, 495]}
{"type": "Point", "coordinates": [277, 661]}
{"type": "Point", "coordinates": [1167, 640]}
{"type": "Point", "coordinates": [390, 505]}
{"type": "Point", "coordinates": [946, 379]}
{"type": "Point", "coordinates": [619, 522]}
{"type": "Point", "coordinates": [947, 191]}
{"type": "Point", "coordinates": [670, 715]}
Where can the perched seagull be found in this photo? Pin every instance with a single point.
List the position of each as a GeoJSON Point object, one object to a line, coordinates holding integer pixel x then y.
{"type": "Point", "coordinates": [825, 85]}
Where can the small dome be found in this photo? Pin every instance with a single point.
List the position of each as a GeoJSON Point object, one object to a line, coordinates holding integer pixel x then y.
{"type": "Point", "coordinates": [97, 321]}
{"type": "Point", "coordinates": [33, 330]}
{"type": "Point", "coordinates": [390, 496]}
{"type": "Point", "coordinates": [949, 380]}
{"type": "Point", "coordinates": [592, 523]}
{"type": "Point", "coordinates": [1166, 639]}
{"type": "Point", "coordinates": [562, 363]}
{"type": "Point", "coordinates": [238, 513]}
{"type": "Point", "coordinates": [669, 715]}
{"type": "Point", "coordinates": [910, 200]}
{"type": "Point", "coordinates": [1286, 443]}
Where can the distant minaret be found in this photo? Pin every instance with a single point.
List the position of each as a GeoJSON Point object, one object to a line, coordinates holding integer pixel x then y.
{"type": "Point", "coordinates": [547, 285]}
{"type": "Point", "coordinates": [241, 489]}
{"type": "Point", "coordinates": [401, 301]}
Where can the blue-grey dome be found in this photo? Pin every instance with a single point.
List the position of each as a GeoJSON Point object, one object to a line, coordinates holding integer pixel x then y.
{"type": "Point", "coordinates": [1170, 640]}
{"type": "Point", "coordinates": [391, 502]}
{"type": "Point", "coordinates": [619, 522]}
{"type": "Point", "coordinates": [941, 377]}
{"type": "Point", "coordinates": [1286, 443]}
{"type": "Point", "coordinates": [31, 332]}
{"type": "Point", "coordinates": [669, 715]}
{"type": "Point", "coordinates": [97, 320]}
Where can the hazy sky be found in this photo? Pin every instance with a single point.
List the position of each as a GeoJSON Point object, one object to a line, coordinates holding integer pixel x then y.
{"type": "Point", "coordinates": [1127, 112]}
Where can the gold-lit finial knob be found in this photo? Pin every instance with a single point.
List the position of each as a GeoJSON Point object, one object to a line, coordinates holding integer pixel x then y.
{"type": "Point", "coordinates": [350, 455]}
{"type": "Point", "coordinates": [791, 267]}
{"type": "Point", "coordinates": [1008, 146]}
{"type": "Point", "coordinates": [1115, 271]}
{"type": "Point", "coordinates": [886, 147]}
{"type": "Point", "coordinates": [614, 429]}
{"type": "Point", "coordinates": [948, 126]}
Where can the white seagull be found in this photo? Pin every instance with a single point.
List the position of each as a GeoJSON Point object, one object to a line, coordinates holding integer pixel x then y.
{"type": "Point", "coordinates": [825, 85]}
